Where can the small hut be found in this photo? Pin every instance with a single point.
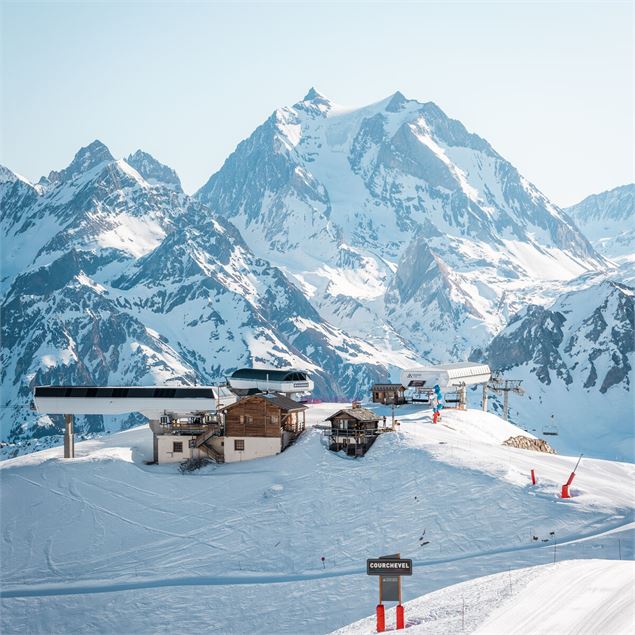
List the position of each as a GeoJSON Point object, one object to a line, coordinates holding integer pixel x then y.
{"type": "Point", "coordinates": [388, 393]}
{"type": "Point", "coordinates": [353, 430]}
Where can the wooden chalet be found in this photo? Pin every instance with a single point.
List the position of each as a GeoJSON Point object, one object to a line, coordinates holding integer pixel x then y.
{"type": "Point", "coordinates": [262, 424]}
{"type": "Point", "coordinates": [388, 393]}
{"type": "Point", "coordinates": [353, 430]}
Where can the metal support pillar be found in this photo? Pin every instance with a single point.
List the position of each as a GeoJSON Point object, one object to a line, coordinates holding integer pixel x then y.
{"type": "Point", "coordinates": [484, 397]}
{"type": "Point", "coordinates": [463, 398]}
{"type": "Point", "coordinates": [69, 437]}
{"type": "Point", "coordinates": [506, 404]}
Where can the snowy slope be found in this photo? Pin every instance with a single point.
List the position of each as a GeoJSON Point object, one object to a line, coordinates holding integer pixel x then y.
{"type": "Point", "coordinates": [136, 546]}
{"type": "Point", "coordinates": [579, 596]}
{"type": "Point", "coordinates": [396, 221]}
{"type": "Point", "coordinates": [576, 360]}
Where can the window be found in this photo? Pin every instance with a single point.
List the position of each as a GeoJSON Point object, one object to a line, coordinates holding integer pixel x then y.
{"type": "Point", "coordinates": [239, 445]}
{"type": "Point", "coordinates": [177, 446]}
{"type": "Point", "coordinates": [273, 419]}
{"type": "Point", "coordinates": [246, 419]}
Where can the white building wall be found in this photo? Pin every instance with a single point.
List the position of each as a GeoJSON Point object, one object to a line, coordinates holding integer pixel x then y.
{"type": "Point", "coordinates": [255, 448]}
{"type": "Point", "coordinates": [165, 448]}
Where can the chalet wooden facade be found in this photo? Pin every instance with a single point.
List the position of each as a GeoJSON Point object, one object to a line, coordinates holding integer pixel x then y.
{"type": "Point", "coordinates": [257, 425]}
{"type": "Point", "coordinates": [261, 425]}
{"type": "Point", "coordinates": [388, 394]}
{"type": "Point", "coordinates": [353, 430]}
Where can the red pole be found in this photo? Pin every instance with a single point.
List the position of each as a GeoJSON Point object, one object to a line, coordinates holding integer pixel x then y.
{"type": "Point", "coordinates": [533, 478]}
{"type": "Point", "coordinates": [565, 487]}
{"type": "Point", "coordinates": [400, 617]}
{"type": "Point", "coordinates": [381, 618]}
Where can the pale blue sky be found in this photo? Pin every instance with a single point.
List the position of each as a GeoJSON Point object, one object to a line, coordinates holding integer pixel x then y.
{"type": "Point", "coordinates": [549, 84]}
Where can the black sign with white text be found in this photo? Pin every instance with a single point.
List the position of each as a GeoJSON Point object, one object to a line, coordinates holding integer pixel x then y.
{"type": "Point", "coordinates": [389, 567]}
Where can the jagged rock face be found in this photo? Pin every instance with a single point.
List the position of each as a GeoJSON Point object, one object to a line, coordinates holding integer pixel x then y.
{"type": "Point", "coordinates": [154, 172]}
{"type": "Point", "coordinates": [107, 207]}
{"type": "Point", "coordinates": [608, 220]}
{"type": "Point", "coordinates": [534, 337]}
{"type": "Point", "coordinates": [350, 243]}
{"type": "Point", "coordinates": [348, 202]}
{"type": "Point", "coordinates": [581, 332]}
{"type": "Point", "coordinates": [110, 278]}
{"type": "Point", "coordinates": [576, 358]}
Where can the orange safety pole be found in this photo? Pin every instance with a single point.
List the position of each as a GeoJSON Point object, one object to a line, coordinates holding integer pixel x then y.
{"type": "Point", "coordinates": [381, 618]}
{"type": "Point", "coordinates": [400, 617]}
{"type": "Point", "coordinates": [533, 477]}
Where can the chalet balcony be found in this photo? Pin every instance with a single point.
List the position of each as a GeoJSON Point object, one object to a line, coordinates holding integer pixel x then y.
{"type": "Point", "coordinates": [193, 428]}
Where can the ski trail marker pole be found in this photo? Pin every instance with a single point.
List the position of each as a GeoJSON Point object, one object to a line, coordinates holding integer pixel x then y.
{"type": "Point", "coordinates": [565, 487]}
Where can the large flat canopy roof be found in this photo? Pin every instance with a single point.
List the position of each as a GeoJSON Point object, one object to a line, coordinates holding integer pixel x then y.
{"type": "Point", "coordinates": [128, 392]}
{"type": "Point", "coordinates": [152, 401]}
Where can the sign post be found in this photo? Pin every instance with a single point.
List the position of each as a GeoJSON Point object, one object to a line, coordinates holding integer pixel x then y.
{"type": "Point", "coordinates": [389, 569]}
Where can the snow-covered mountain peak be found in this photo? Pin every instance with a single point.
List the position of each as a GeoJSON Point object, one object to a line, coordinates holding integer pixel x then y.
{"type": "Point", "coordinates": [336, 198]}
{"type": "Point", "coordinates": [153, 171]}
{"type": "Point", "coordinates": [396, 102]}
{"type": "Point", "coordinates": [86, 159]}
{"type": "Point", "coordinates": [615, 204]}
{"type": "Point", "coordinates": [315, 102]}
{"type": "Point", "coordinates": [608, 221]}
{"type": "Point", "coordinates": [9, 176]}
{"type": "Point", "coordinates": [315, 95]}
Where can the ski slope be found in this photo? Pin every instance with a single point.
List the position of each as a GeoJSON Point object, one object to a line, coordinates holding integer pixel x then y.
{"type": "Point", "coordinates": [105, 543]}
{"type": "Point", "coordinates": [567, 598]}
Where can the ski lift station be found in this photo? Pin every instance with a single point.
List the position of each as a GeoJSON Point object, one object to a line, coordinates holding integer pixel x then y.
{"type": "Point", "coordinates": [458, 375]}
{"type": "Point", "coordinates": [287, 382]}
{"type": "Point", "coordinates": [196, 421]}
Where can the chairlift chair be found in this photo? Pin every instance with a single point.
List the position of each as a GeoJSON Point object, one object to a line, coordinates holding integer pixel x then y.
{"type": "Point", "coordinates": [550, 429]}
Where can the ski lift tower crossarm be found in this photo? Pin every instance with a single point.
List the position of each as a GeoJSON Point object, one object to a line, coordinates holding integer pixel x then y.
{"type": "Point", "coordinates": [500, 385]}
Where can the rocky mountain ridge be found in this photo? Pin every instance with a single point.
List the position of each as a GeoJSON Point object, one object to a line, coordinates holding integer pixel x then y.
{"type": "Point", "coordinates": [351, 242]}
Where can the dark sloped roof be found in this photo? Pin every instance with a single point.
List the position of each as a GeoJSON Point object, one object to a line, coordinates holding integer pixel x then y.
{"type": "Point", "coordinates": [284, 403]}
{"type": "Point", "coordinates": [387, 387]}
{"type": "Point", "coordinates": [361, 414]}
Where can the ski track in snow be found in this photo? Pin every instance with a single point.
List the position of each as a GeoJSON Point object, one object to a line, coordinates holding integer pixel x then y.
{"type": "Point", "coordinates": [241, 539]}
{"type": "Point", "coordinates": [105, 587]}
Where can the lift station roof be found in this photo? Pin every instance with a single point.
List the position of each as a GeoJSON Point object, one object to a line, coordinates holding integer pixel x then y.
{"type": "Point", "coordinates": [446, 375]}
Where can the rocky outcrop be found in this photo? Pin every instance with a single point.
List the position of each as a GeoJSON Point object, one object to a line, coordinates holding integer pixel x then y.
{"type": "Point", "coordinates": [525, 443]}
